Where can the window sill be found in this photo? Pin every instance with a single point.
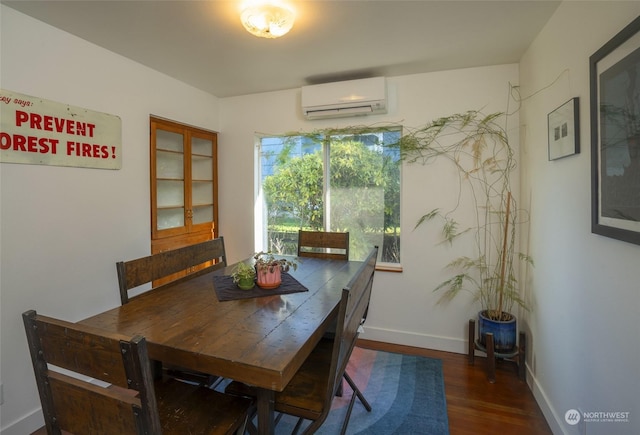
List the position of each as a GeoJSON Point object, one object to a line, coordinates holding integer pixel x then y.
{"type": "Point", "coordinates": [389, 267]}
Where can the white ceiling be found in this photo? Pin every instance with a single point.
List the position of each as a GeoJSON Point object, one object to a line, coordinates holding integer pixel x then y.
{"type": "Point", "coordinates": [202, 43]}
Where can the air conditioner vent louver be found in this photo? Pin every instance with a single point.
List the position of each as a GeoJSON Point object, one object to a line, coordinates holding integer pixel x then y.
{"type": "Point", "coordinates": [348, 98]}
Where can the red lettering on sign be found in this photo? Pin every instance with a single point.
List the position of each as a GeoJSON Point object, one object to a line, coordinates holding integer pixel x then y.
{"type": "Point", "coordinates": [86, 150]}
{"type": "Point", "coordinates": [18, 143]}
{"type": "Point", "coordinates": [34, 121]}
{"type": "Point", "coordinates": [72, 149]}
{"type": "Point", "coordinates": [5, 141]}
{"type": "Point", "coordinates": [28, 144]}
{"type": "Point", "coordinates": [82, 149]}
{"type": "Point", "coordinates": [53, 123]}
{"type": "Point", "coordinates": [21, 117]}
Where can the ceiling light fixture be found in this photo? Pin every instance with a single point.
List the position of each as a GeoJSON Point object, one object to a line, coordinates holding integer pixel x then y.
{"type": "Point", "coordinates": [268, 20]}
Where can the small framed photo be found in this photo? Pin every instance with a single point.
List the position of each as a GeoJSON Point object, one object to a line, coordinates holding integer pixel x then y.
{"type": "Point", "coordinates": [564, 130]}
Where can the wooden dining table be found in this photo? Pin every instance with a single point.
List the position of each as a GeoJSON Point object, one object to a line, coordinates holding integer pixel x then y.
{"type": "Point", "coordinates": [261, 341]}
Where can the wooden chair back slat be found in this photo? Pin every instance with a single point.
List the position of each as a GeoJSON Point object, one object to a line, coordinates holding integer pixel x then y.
{"type": "Point", "coordinates": [80, 350]}
{"type": "Point", "coordinates": [79, 406]}
{"type": "Point", "coordinates": [323, 244]}
{"type": "Point", "coordinates": [134, 273]}
{"type": "Point", "coordinates": [70, 403]}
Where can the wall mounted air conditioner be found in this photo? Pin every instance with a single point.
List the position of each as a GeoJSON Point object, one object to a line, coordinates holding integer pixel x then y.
{"type": "Point", "coordinates": [348, 98]}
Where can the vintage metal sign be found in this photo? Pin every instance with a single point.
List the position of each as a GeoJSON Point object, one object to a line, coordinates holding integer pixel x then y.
{"type": "Point", "coordinates": [35, 131]}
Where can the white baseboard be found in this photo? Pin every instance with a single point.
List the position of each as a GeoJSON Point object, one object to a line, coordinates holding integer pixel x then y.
{"type": "Point", "coordinates": [554, 421]}
{"type": "Point", "coordinates": [446, 344]}
{"type": "Point", "coordinates": [25, 425]}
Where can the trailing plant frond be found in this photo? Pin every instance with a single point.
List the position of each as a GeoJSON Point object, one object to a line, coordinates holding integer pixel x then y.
{"type": "Point", "coordinates": [526, 258]}
{"type": "Point", "coordinates": [450, 230]}
{"type": "Point", "coordinates": [467, 263]}
{"type": "Point", "coordinates": [433, 213]}
{"type": "Point", "coordinates": [453, 286]}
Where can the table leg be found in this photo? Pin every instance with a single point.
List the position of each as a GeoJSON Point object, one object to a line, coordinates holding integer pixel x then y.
{"type": "Point", "coordinates": [265, 411]}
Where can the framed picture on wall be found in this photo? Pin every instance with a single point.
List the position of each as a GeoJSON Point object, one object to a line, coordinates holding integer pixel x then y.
{"type": "Point", "coordinates": [614, 72]}
{"type": "Point", "coordinates": [564, 130]}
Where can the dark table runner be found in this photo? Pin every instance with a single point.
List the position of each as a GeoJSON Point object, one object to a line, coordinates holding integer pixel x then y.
{"type": "Point", "coordinates": [226, 290]}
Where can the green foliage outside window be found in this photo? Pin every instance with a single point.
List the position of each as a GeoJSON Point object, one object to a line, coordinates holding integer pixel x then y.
{"type": "Point", "coordinates": [363, 192]}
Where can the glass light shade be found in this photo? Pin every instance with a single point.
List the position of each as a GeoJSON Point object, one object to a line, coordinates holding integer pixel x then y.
{"type": "Point", "coordinates": [267, 21]}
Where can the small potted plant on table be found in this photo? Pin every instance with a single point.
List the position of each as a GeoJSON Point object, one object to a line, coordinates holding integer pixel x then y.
{"type": "Point", "coordinates": [269, 269]}
{"type": "Point", "coordinates": [244, 276]}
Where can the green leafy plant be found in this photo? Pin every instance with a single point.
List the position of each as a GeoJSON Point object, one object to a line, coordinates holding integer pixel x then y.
{"type": "Point", "coordinates": [478, 148]}
{"type": "Point", "coordinates": [266, 261]}
{"type": "Point", "coordinates": [243, 271]}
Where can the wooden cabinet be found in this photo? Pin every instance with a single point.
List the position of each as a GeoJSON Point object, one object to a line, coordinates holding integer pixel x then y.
{"type": "Point", "coordinates": [184, 194]}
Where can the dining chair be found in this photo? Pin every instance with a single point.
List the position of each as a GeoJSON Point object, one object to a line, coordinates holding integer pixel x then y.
{"type": "Point", "coordinates": [145, 270]}
{"type": "Point", "coordinates": [310, 392]}
{"type": "Point", "coordinates": [106, 386]}
{"type": "Point", "coordinates": [323, 244]}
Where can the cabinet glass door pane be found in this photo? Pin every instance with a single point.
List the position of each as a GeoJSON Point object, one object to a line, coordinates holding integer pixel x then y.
{"type": "Point", "coordinates": [170, 193]}
{"type": "Point", "coordinates": [170, 182]}
{"type": "Point", "coordinates": [170, 218]}
{"type": "Point", "coordinates": [202, 193]}
{"type": "Point", "coordinates": [202, 214]}
{"type": "Point", "coordinates": [202, 180]}
{"type": "Point", "coordinates": [201, 168]}
{"type": "Point", "coordinates": [169, 165]}
{"type": "Point", "coordinates": [201, 147]}
{"type": "Point", "coordinates": [201, 159]}
{"type": "Point", "coordinates": [170, 203]}
{"type": "Point", "coordinates": [169, 141]}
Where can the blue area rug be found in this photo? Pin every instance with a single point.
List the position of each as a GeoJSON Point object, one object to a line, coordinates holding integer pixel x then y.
{"type": "Point", "coordinates": [406, 394]}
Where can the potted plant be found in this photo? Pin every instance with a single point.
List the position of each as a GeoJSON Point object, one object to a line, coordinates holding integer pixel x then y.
{"type": "Point", "coordinates": [244, 276]}
{"type": "Point", "coordinates": [478, 148]}
{"type": "Point", "coordinates": [269, 269]}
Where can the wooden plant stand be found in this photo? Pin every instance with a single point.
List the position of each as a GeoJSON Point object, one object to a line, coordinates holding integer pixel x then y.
{"type": "Point", "coordinates": [518, 355]}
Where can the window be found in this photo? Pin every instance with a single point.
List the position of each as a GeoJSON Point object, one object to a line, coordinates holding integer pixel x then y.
{"type": "Point", "coordinates": [338, 181]}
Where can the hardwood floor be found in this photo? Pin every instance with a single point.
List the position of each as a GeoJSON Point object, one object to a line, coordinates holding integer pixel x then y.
{"type": "Point", "coordinates": [475, 406]}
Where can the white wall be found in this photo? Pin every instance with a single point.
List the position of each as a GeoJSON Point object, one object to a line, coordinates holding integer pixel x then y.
{"type": "Point", "coordinates": [402, 305]}
{"type": "Point", "coordinates": [586, 322]}
{"type": "Point", "coordinates": [63, 229]}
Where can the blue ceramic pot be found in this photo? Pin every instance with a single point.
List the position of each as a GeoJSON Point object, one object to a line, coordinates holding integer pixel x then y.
{"type": "Point", "coordinates": [504, 332]}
